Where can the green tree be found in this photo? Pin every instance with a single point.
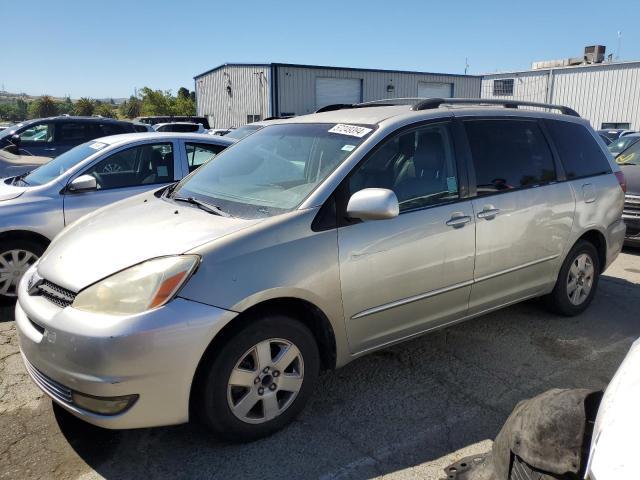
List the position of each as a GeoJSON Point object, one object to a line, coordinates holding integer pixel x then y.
{"type": "Point", "coordinates": [130, 108]}
{"type": "Point", "coordinates": [66, 107]}
{"type": "Point", "coordinates": [156, 102]}
{"type": "Point", "coordinates": [43, 107]}
{"type": "Point", "coordinates": [183, 92]}
{"type": "Point", "coordinates": [84, 107]}
{"type": "Point", "coordinates": [104, 110]}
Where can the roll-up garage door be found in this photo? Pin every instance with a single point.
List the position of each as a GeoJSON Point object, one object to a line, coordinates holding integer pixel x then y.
{"type": "Point", "coordinates": [435, 90]}
{"type": "Point", "coordinates": [337, 90]}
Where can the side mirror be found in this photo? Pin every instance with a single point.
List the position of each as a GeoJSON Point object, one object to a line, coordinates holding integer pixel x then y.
{"type": "Point", "coordinates": [373, 204]}
{"type": "Point", "coordinates": [15, 139]}
{"type": "Point", "coordinates": [83, 183]}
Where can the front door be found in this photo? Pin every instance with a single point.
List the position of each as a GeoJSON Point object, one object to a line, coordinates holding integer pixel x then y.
{"type": "Point", "coordinates": [123, 174]}
{"type": "Point", "coordinates": [403, 276]}
{"type": "Point", "coordinates": [39, 140]}
{"type": "Point", "coordinates": [523, 215]}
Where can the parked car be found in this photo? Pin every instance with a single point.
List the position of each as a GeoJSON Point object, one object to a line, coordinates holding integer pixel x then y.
{"type": "Point", "coordinates": [13, 165]}
{"type": "Point", "coordinates": [241, 132]}
{"type": "Point", "coordinates": [629, 161]}
{"type": "Point", "coordinates": [142, 127]}
{"type": "Point", "coordinates": [184, 127]}
{"type": "Point", "coordinates": [620, 145]}
{"type": "Point", "coordinates": [614, 440]}
{"type": "Point", "coordinates": [34, 207]}
{"type": "Point", "coordinates": [219, 131]}
{"type": "Point", "coordinates": [153, 120]}
{"type": "Point", "coordinates": [308, 244]}
{"type": "Point", "coordinates": [49, 137]}
{"type": "Point", "coordinates": [615, 133]}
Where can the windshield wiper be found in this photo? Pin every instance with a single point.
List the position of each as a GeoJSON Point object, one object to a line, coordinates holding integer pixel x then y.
{"type": "Point", "coordinates": [20, 178]}
{"type": "Point", "coordinates": [214, 209]}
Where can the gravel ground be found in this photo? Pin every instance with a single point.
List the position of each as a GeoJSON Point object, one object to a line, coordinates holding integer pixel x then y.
{"type": "Point", "coordinates": [396, 414]}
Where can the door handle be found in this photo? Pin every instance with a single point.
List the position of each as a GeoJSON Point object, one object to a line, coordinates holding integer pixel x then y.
{"type": "Point", "coordinates": [50, 149]}
{"type": "Point", "coordinates": [458, 220]}
{"type": "Point", "coordinates": [489, 213]}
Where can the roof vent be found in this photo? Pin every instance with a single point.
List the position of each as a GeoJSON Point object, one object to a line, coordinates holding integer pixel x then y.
{"type": "Point", "coordinates": [594, 53]}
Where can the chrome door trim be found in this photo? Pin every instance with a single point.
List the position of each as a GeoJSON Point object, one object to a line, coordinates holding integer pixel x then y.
{"type": "Point", "coordinates": [518, 267]}
{"type": "Point", "coordinates": [415, 298]}
{"type": "Point", "coordinates": [433, 293]}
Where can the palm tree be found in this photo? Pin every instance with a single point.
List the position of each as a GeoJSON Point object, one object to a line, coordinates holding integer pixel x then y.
{"type": "Point", "coordinates": [84, 107]}
{"type": "Point", "coordinates": [45, 107]}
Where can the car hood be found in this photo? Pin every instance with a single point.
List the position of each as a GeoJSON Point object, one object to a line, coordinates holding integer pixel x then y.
{"type": "Point", "coordinates": [632, 176]}
{"type": "Point", "coordinates": [127, 233]}
{"type": "Point", "coordinates": [9, 192]}
{"type": "Point", "coordinates": [615, 434]}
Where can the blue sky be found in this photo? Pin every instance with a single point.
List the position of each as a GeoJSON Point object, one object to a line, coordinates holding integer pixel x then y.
{"type": "Point", "coordinates": [108, 48]}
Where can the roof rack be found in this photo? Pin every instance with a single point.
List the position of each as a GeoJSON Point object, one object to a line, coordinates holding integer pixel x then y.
{"type": "Point", "coordinates": [431, 103]}
{"type": "Point", "coordinates": [385, 102]}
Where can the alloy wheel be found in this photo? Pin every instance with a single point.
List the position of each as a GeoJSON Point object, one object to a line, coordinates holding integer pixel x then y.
{"type": "Point", "coordinates": [580, 279]}
{"type": "Point", "coordinates": [14, 264]}
{"type": "Point", "coordinates": [265, 381]}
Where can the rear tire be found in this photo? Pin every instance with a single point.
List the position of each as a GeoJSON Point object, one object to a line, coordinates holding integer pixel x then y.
{"type": "Point", "coordinates": [16, 257]}
{"type": "Point", "coordinates": [577, 281]}
{"type": "Point", "coordinates": [259, 380]}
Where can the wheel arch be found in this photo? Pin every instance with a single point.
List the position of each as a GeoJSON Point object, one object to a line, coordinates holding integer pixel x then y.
{"type": "Point", "coordinates": [24, 235]}
{"type": "Point", "coordinates": [599, 241]}
{"type": "Point", "coordinates": [304, 311]}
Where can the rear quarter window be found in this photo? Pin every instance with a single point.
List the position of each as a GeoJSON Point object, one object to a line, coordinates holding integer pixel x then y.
{"type": "Point", "coordinates": [579, 152]}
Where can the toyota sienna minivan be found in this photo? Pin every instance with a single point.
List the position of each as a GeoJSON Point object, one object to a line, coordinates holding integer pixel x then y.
{"type": "Point", "coordinates": [308, 244]}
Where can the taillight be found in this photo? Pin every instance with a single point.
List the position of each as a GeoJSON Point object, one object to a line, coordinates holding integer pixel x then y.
{"type": "Point", "coordinates": [622, 181]}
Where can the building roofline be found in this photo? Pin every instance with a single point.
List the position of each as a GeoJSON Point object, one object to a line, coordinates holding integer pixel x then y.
{"type": "Point", "coordinates": [326, 67]}
{"type": "Point", "coordinates": [568, 67]}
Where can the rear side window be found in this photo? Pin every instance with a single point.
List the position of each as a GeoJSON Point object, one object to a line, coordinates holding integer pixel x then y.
{"type": "Point", "coordinates": [106, 129]}
{"type": "Point", "coordinates": [71, 132]}
{"type": "Point", "coordinates": [579, 152]}
{"type": "Point", "coordinates": [509, 154]}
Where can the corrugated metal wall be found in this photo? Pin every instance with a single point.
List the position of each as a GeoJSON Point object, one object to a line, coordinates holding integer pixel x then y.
{"type": "Point", "coordinates": [250, 94]}
{"type": "Point", "coordinates": [608, 93]}
{"type": "Point", "coordinates": [296, 85]}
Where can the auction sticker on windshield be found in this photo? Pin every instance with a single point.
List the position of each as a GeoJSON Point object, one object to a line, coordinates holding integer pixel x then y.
{"type": "Point", "coordinates": [97, 145]}
{"type": "Point", "coordinates": [351, 130]}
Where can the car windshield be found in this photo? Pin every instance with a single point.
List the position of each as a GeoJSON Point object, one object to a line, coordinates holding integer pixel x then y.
{"type": "Point", "coordinates": [8, 131]}
{"type": "Point", "coordinates": [242, 132]}
{"type": "Point", "coordinates": [62, 163]}
{"type": "Point", "coordinates": [621, 144]}
{"type": "Point", "coordinates": [273, 170]}
{"type": "Point", "coordinates": [631, 156]}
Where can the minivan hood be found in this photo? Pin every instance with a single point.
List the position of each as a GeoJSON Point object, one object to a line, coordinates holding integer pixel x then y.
{"type": "Point", "coordinates": [9, 192]}
{"type": "Point", "coordinates": [127, 233]}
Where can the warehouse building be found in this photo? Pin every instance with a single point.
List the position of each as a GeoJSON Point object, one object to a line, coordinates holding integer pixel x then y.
{"type": "Point", "coordinates": [235, 94]}
{"type": "Point", "coordinates": [606, 93]}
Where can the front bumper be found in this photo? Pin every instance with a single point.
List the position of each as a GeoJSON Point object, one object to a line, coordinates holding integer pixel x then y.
{"type": "Point", "coordinates": [631, 217]}
{"type": "Point", "coordinates": [153, 355]}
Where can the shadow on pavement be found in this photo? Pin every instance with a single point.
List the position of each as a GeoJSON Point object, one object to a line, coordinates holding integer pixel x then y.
{"type": "Point", "coordinates": [396, 408]}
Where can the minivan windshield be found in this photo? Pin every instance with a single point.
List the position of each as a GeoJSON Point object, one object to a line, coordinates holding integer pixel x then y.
{"type": "Point", "coordinates": [273, 170]}
{"type": "Point", "coordinates": [62, 163]}
{"type": "Point", "coordinates": [631, 156]}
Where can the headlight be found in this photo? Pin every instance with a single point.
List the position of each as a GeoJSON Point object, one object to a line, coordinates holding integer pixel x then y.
{"type": "Point", "coordinates": [137, 289]}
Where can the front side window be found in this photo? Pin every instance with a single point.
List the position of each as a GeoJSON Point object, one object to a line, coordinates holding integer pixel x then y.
{"type": "Point", "coordinates": [142, 165]}
{"type": "Point", "coordinates": [579, 152]}
{"type": "Point", "coordinates": [199, 153]}
{"type": "Point", "coordinates": [509, 154]}
{"type": "Point", "coordinates": [419, 166]}
{"type": "Point", "coordinates": [72, 132]}
{"type": "Point", "coordinates": [273, 170]}
{"type": "Point", "coordinates": [40, 133]}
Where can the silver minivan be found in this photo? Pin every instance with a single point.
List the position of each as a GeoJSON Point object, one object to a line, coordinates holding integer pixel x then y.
{"type": "Point", "coordinates": [308, 244]}
{"type": "Point", "coordinates": [36, 205]}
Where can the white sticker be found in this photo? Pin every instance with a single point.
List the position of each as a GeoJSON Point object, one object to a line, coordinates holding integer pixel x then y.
{"type": "Point", "coordinates": [97, 145]}
{"type": "Point", "coordinates": [348, 148]}
{"type": "Point", "coordinates": [162, 171]}
{"type": "Point", "coordinates": [351, 130]}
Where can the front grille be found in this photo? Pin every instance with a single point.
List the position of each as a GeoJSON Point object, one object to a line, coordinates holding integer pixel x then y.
{"type": "Point", "coordinates": [56, 294]}
{"type": "Point", "coordinates": [47, 384]}
{"type": "Point", "coordinates": [632, 206]}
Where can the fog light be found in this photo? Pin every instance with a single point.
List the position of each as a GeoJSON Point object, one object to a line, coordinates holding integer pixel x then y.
{"type": "Point", "coordinates": [104, 405]}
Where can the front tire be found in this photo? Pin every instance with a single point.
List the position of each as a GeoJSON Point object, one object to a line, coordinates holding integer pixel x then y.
{"type": "Point", "coordinates": [577, 281]}
{"type": "Point", "coordinates": [16, 257]}
{"type": "Point", "coordinates": [260, 379]}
